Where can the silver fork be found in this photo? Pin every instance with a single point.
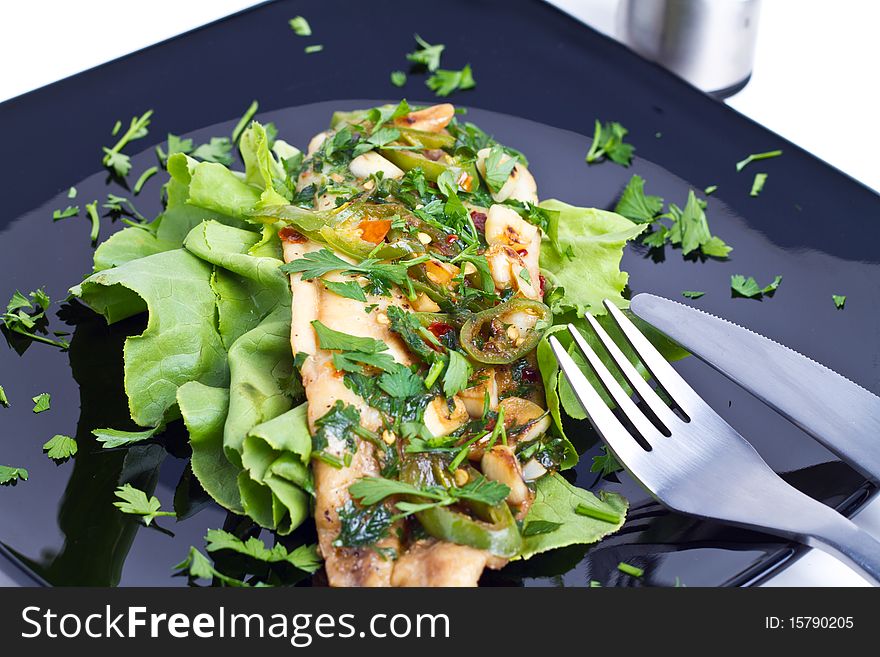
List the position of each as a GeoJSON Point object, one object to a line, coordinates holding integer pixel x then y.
{"type": "Point", "coordinates": [700, 465]}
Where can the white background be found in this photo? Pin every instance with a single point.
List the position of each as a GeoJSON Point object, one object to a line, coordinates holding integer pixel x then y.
{"type": "Point", "coordinates": [815, 82]}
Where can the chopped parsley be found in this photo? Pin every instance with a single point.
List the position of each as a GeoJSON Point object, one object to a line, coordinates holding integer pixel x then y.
{"type": "Point", "coordinates": [629, 569]}
{"type": "Point", "coordinates": [754, 157]}
{"type": "Point", "coordinates": [198, 566]}
{"type": "Point", "coordinates": [499, 166]}
{"type": "Point", "coordinates": [758, 184]}
{"type": "Point", "coordinates": [692, 294]}
{"type": "Point", "coordinates": [144, 177]}
{"type": "Point", "coordinates": [26, 315]}
{"type": "Point", "coordinates": [305, 557]}
{"type": "Point", "coordinates": [597, 514]}
{"type": "Point", "coordinates": [426, 55]}
{"type": "Point", "coordinates": [340, 424]}
{"type": "Point", "coordinates": [381, 275]}
{"type": "Point", "coordinates": [372, 490]}
{"type": "Point", "coordinates": [444, 82]}
{"type": "Point", "coordinates": [71, 193]}
{"type": "Point", "coordinates": [313, 49]}
{"type": "Point", "coordinates": [218, 149]}
{"type": "Point", "coordinates": [457, 373]}
{"type": "Point", "coordinates": [175, 144]}
{"type": "Point", "coordinates": [92, 212]}
{"type": "Point", "coordinates": [347, 289]}
{"type": "Point", "coordinates": [608, 143]}
{"type": "Point", "coordinates": [330, 339]}
{"type": "Point", "coordinates": [398, 78]}
{"type": "Point", "coordinates": [401, 383]}
{"type": "Point", "coordinates": [637, 206]}
{"type": "Point", "coordinates": [360, 527]}
{"type": "Point", "coordinates": [112, 438]}
{"type": "Point", "coordinates": [244, 121]}
{"type": "Point", "coordinates": [114, 159]}
{"type": "Point", "coordinates": [135, 502]}
{"type": "Point", "coordinates": [10, 475]}
{"type": "Point", "coordinates": [300, 26]}
{"type": "Point", "coordinates": [42, 402]}
{"type": "Point", "coordinates": [60, 448]}
{"type": "Point", "coordinates": [538, 527]}
{"type": "Point", "coordinates": [749, 288]}
{"type": "Point", "coordinates": [4, 400]}
{"type": "Point", "coordinates": [605, 464]}
{"type": "Point", "coordinates": [711, 189]}
{"type": "Point", "coordinates": [839, 302]}
{"type": "Point", "coordinates": [69, 211]}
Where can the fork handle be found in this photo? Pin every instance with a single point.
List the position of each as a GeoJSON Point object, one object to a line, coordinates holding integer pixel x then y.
{"type": "Point", "coordinates": [852, 545]}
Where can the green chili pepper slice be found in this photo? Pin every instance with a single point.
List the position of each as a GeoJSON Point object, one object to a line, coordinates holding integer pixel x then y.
{"type": "Point", "coordinates": [486, 337]}
{"type": "Point", "coordinates": [493, 529]}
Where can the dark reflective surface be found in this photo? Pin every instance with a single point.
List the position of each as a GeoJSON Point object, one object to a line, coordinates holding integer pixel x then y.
{"type": "Point", "coordinates": [810, 224]}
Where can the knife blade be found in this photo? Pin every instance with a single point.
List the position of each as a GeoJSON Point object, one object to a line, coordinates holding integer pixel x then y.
{"type": "Point", "coordinates": [838, 413]}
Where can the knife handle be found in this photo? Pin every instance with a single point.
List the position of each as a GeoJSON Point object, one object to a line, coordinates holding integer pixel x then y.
{"type": "Point", "coordinates": [852, 545]}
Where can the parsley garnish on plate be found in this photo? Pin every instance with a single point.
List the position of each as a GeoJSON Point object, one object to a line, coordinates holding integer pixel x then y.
{"type": "Point", "coordinates": [300, 26]}
{"type": "Point", "coordinates": [749, 288]}
{"type": "Point", "coordinates": [112, 438]}
{"type": "Point", "coordinates": [144, 177]}
{"type": "Point", "coordinates": [92, 212]}
{"type": "Point", "coordinates": [372, 490]}
{"type": "Point", "coordinates": [117, 161]}
{"type": "Point", "coordinates": [596, 513]}
{"type": "Point", "coordinates": [692, 294]}
{"type": "Point", "coordinates": [60, 448]}
{"type": "Point", "coordinates": [538, 527]}
{"type": "Point", "coordinates": [839, 302]}
{"type": "Point", "coordinates": [313, 49]}
{"type": "Point", "coordinates": [629, 569]}
{"type": "Point", "coordinates": [305, 557]}
{"type": "Point", "coordinates": [637, 206]}
{"type": "Point", "coordinates": [218, 149]}
{"type": "Point", "coordinates": [244, 121]}
{"type": "Point", "coordinates": [758, 184]}
{"type": "Point", "coordinates": [71, 193]}
{"type": "Point", "coordinates": [26, 315]}
{"type": "Point", "coordinates": [457, 373]}
{"type": "Point", "coordinates": [10, 475]}
{"type": "Point", "coordinates": [398, 78]}
{"type": "Point", "coordinates": [444, 81]}
{"type": "Point", "coordinates": [42, 402]}
{"type": "Point", "coordinates": [711, 189]}
{"type": "Point", "coordinates": [4, 400]}
{"type": "Point", "coordinates": [427, 55]}
{"type": "Point", "coordinates": [69, 211]}
{"type": "Point", "coordinates": [608, 143]}
{"type": "Point", "coordinates": [135, 502]}
{"type": "Point", "coordinates": [605, 463]}
{"type": "Point", "coordinates": [499, 165]}
{"type": "Point", "coordinates": [346, 289]}
{"type": "Point", "coordinates": [754, 157]}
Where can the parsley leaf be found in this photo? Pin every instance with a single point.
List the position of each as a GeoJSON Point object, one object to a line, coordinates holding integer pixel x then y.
{"type": "Point", "coordinates": [313, 49]}
{"type": "Point", "coordinates": [444, 82]}
{"type": "Point", "coordinates": [749, 288]}
{"type": "Point", "coordinates": [692, 294]}
{"type": "Point", "coordinates": [398, 78]}
{"type": "Point", "coordinates": [198, 566]}
{"type": "Point", "coordinates": [175, 145]}
{"type": "Point", "coordinates": [690, 229]}
{"type": "Point", "coordinates": [637, 206]}
{"type": "Point", "coordinates": [372, 490]}
{"type": "Point", "coordinates": [71, 193]}
{"type": "Point", "coordinates": [538, 527]}
{"type": "Point", "coordinates": [458, 371]}
{"type": "Point", "coordinates": [347, 289]}
{"type": "Point", "coordinates": [758, 184]}
{"type": "Point", "coordinates": [218, 149]}
{"type": "Point", "coordinates": [754, 157]}
{"type": "Point", "coordinates": [360, 527]}
{"type": "Point", "coordinates": [60, 448]}
{"type": "Point", "coordinates": [9, 475]}
{"type": "Point", "coordinates": [353, 361]}
{"type": "Point", "coordinates": [426, 55]}
{"type": "Point", "coordinates": [499, 165]}
{"type": "Point", "coordinates": [608, 143]}
{"type": "Point", "coordinates": [4, 400]}
{"type": "Point", "coordinates": [401, 383]}
{"type": "Point", "coordinates": [300, 26]}
{"type": "Point", "coordinates": [135, 502]}
{"type": "Point", "coordinates": [111, 438]}
{"type": "Point", "coordinates": [305, 557]}
{"type": "Point", "coordinates": [605, 463]}
{"type": "Point", "coordinates": [339, 425]}
{"type": "Point", "coordinates": [381, 275]}
{"type": "Point", "coordinates": [114, 159]}
{"type": "Point", "coordinates": [17, 319]}
{"type": "Point", "coordinates": [839, 302]}
{"type": "Point", "coordinates": [42, 402]}
{"type": "Point", "coordinates": [330, 339]}
{"type": "Point", "coordinates": [69, 211]}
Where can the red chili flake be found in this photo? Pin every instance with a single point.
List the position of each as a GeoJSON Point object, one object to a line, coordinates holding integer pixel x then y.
{"type": "Point", "coordinates": [288, 234]}
{"type": "Point", "coordinates": [543, 283]}
{"type": "Point", "coordinates": [479, 219]}
{"type": "Point", "coordinates": [530, 375]}
{"type": "Point", "coordinates": [451, 238]}
{"type": "Point", "coordinates": [439, 329]}
{"type": "Point", "coordinates": [522, 253]}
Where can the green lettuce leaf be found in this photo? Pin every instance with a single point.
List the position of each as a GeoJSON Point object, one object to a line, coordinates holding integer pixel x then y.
{"type": "Point", "coordinates": [204, 410]}
{"type": "Point", "coordinates": [555, 502]}
{"type": "Point", "coordinates": [588, 269]}
{"type": "Point", "coordinates": [260, 166]}
{"type": "Point", "coordinates": [212, 186]}
{"type": "Point", "coordinates": [180, 343]}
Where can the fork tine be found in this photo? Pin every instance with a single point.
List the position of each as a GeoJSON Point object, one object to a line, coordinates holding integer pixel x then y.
{"type": "Point", "coordinates": [645, 392]}
{"type": "Point", "coordinates": [626, 405]}
{"type": "Point", "coordinates": [663, 373]}
{"type": "Point", "coordinates": [624, 446]}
